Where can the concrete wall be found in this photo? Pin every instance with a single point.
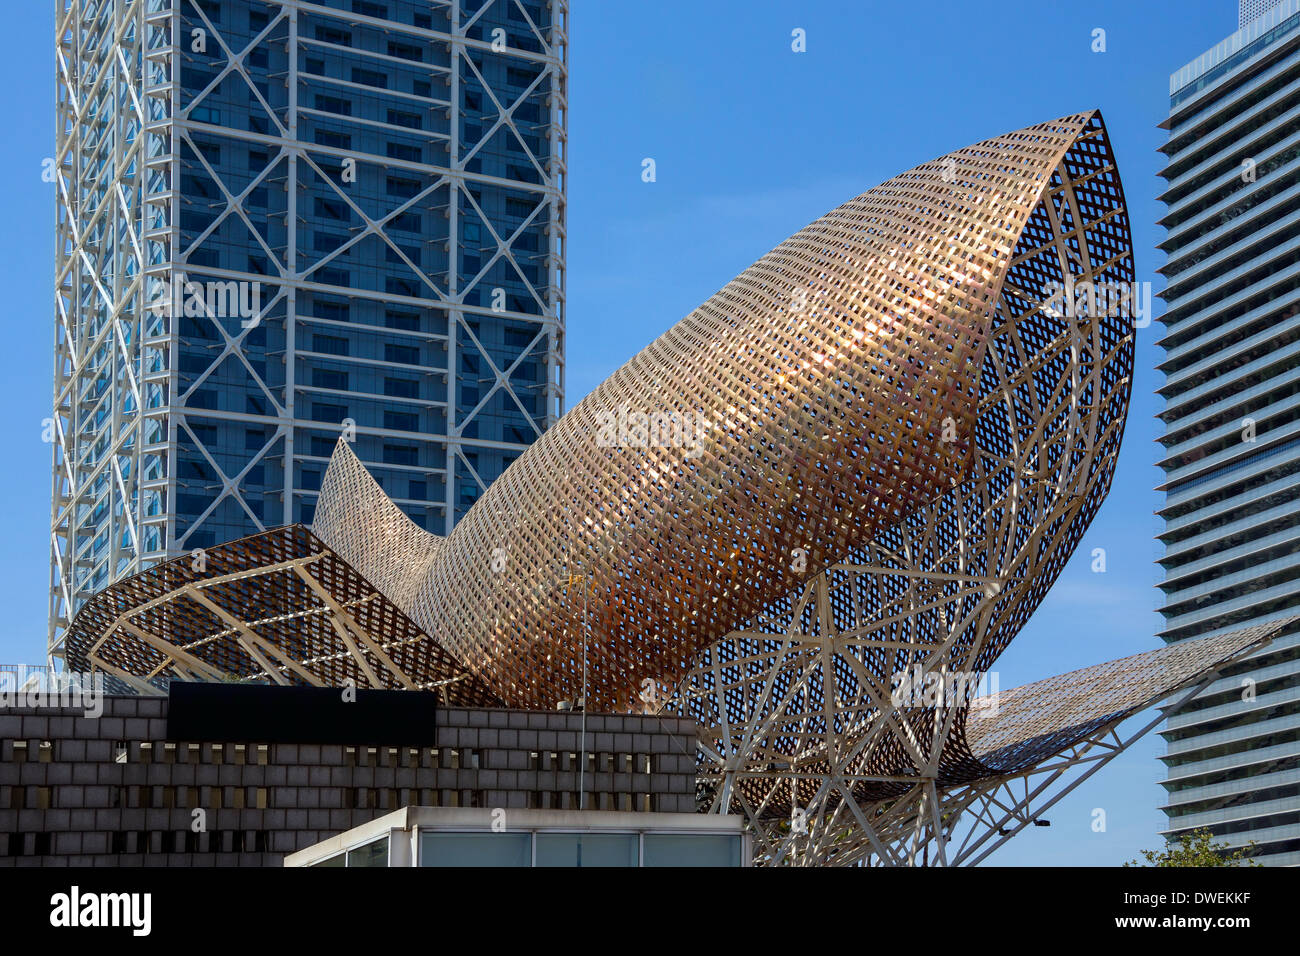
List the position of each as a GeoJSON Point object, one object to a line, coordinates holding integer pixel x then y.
{"type": "Point", "coordinates": [110, 791]}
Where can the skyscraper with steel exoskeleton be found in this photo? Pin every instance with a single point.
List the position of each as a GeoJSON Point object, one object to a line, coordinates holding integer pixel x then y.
{"type": "Point", "coordinates": [279, 223]}
{"type": "Point", "coordinates": [1231, 444]}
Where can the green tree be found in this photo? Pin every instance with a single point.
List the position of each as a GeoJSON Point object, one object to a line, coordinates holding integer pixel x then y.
{"type": "Point", "coordinates": [1197, 848]}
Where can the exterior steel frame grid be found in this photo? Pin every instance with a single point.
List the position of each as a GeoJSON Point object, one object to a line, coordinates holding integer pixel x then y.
{"type": "Point", "coordinates": [122, 124]}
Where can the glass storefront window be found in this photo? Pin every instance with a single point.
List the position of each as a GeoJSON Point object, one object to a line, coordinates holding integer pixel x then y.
{"type": "Point", "coordinates": [475, 849]}
{"type": "Point", "coordinates": [689, 849]}
{"type": "Point", "coordinates": [587, 849]}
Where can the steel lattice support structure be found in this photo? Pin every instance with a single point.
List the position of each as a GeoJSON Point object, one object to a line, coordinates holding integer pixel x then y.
{"type": "Point", "coordinates": [1027, 748]}
{"type": "Point", "coordinates": [334, 170]}
{"type": "Point", "coordinates": [808, 684]}
{"type": "Point", "coordinates": [110, 360]}
{"type": "Point", "coordinates": [962, 825]}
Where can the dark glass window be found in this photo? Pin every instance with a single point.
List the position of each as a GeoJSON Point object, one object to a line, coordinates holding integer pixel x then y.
{"type": "Point", "coordinates": [369, 78]}
{"type": "Point", "coordinates": [331, 208]}
{"type": "Point", "coordinates": [338, 311]}
{"type": "Point", "coordinates": [401, 421]}
{"type": "Point", "coordinates": [333, 35]}
{"type": "Point", "coordinates": [325, 137]}
{"type": "Point", "coordinates": [329, 344]}
{"type": "Point", "coordinates": [329, 378]}
{"type": "Point", "coordinates": [401, 454]}
{"type": "Point", "coordinates": [333, 104]}
{"type": "Point", "coordinates": [402, 387]}
{"type": "Point", "coordinates": [402, 118]}
{"type": "Point", "coordinates": [328, 413]}
{"type": "Point", "coordinates": [406, 51]}
{"type": "Point", "coordinates": [408, 321]}
{"type": "Point", "coordinates": [402, 188]}
{"type": "Point", "coordinates": [410, 154]}
{"type": "Point", "coordinates": [411, 252]}
{"type": "Point", "coordinates": [402, 354]}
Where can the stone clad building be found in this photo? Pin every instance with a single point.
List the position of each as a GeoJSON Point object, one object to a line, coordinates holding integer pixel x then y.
{"type": "Point", "coordinates": [114, 790]}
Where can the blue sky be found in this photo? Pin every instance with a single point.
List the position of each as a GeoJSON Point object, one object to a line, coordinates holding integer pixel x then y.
{"type": "Point", "coordinates": [751, 142]}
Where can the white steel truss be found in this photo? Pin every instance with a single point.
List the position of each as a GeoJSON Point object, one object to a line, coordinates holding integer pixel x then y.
{"type": "Point", "coordinates": [801, 728]}
{"type": "Point", "coordinates": [963, 825]}
{"type": "Point", "coordinates": [817, 798]}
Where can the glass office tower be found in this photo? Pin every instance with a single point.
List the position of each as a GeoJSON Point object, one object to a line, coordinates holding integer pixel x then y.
{"type": "Point", "coordinates": [282, 224]}
{"type": "Point", "coordinates": [1231, 443]}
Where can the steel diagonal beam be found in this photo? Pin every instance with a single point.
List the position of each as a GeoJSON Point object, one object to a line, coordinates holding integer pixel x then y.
{"type": "Point", "coordinates": [339, 617]}
{"type": "Point", "coordinates": [172, 652]}
{"type": "Point", "coordinates": [259, 648]}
